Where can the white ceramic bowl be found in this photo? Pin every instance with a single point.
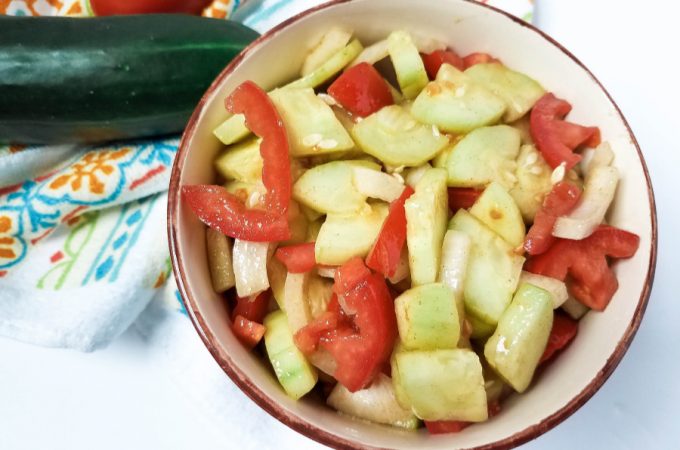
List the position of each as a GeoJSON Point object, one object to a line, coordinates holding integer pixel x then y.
{"type": "Point", "coordinates": [466, 26]}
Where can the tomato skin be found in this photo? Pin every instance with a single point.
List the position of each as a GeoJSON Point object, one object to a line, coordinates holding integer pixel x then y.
{"type": "Point", "coordinates": [556, 138]}
{"type": "Point", "coordinates": [361, 90]}
{"type": "Point", "coordinates": [386, 251]}
{"type": "Point", "coordinates": [298, 258]}
{"type": "Point", "coordinates": [252, 308]}
{"type": "Point", "coordinates": [591, 282]}
{"type": "Point", "coordinates": [433, 61]}
{"type": "Point", "coordinates": [248, 331]}
{"type": "Point", "coordinates": [463, 198]}
{"type": "Point", "coordinates": [560, 201]}
{"type": "Point", "coordinates": [564, 330]}
{"type": "Point", "coordinates": [121, 7]}
{"type": "Point", "coordinates": [350, 275]}
{"type": "Point", "coordinates": [478, 58]}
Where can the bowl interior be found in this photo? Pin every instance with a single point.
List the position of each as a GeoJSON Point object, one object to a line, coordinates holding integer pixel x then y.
{"type": "Point", "coordinates": [467, 27]}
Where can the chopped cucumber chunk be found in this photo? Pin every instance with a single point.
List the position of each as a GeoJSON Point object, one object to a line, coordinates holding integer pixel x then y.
{"type": "Point", "coordinates": [343, 237]}
{"type": "Point", "coordinates": [533, 182]}
{"type": "Point", "coordinates": [493, 271]}
{"type": "Point", "coordinates": [518, 91]}
{"type": "Point", "coordinates": [407, 62]}
{"type": "Point", "coordinates": [480, 329]}
{"type": "Point", "coordinates": [574, 308]}
{"type": "Point", "coordinates": [232, 130]}
{"type": "Point", "coordinates": [312, 127]}
{"type": "Point", "coordinates": [295, 300]}
{"type": "Point", "coordinates": [521, 336]}
{"type": "Point", "coordinates": [485, 155]}
{"type": "Point", "coordinates": [219, 260]}
{"type": "Point", "coordinates": [293, 371]}
{"type": "Point", "coordinates": [498, 211]}
{"type": "Point", "coordinates": [376, 403]}
{"type": "Point", "coordinates": [426, 214]}
{"type": "Point", "coordinates": [396, 138]}
{"type": "Point", "coordinates": [329, 68]}
{"type": "Point", "coordinates": [330, 188]}
{"type": "Point", "coordinates": [457, 104]}
{"type": "Point", "coordinates": [241, 161]}
{"type": "Point", "coordinates": [333, 41]}
{"type": "Point", "coordinates": [427, 317]}
{"type": "Point", "coordinates": [442, 384]}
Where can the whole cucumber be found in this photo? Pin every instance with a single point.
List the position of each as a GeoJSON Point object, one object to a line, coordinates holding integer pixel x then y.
{"type": "Point", "coordinates": [68, 80]}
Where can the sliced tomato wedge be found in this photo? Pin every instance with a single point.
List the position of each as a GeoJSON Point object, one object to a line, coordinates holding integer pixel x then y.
{"type": "Point", "coordinates": [591, 281]}
{"type": "Point", "coordinates": [386, 251]}
{"type": "Point", "coordinates": [560, 201]}
{"type": "Point", "coordinates": [349, 275]}
{"type": "Point", "coordinates": [252, 308]}
{"type": "Point", "coordinates": [433, 61]}
{"type": "Point", "coordinates": [463, 198]}
{"type": "Point", "coordinates": [478, 58]}
{"type": "Point", "coordinates": [248, 331]}
{"type": "Point", "coordinates": [226, 212]}
{"type": "Point", "coordinates": [361, 90]}
{"type": "Point", "coordinates": [298, 258]}
{"type": "Point", "coordinates": [556, 138]}
{"type": "Point", "coordinates": [564, 330]}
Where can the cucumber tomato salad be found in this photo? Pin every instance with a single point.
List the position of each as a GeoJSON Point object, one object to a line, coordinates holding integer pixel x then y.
{"type": "Point", "coordinates": [410, 231]}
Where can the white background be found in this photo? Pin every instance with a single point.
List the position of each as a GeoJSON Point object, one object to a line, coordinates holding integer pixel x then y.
{"type": "Point", "coordinates": [118, 398]}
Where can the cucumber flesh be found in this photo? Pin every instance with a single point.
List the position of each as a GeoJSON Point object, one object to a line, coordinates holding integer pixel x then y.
{"type": "Point", "coordinates": [426, 215]}
{"type": "Point", "coordinates": [498, 211]}
{"type": "Point", "coordinates": [396, 138]}
{"type": "Point", "coordinates": [516, 346]}
{"type": "Point", "coordinates": [533, 182]}
{"type": "Point", "coordinates": [343, 237]}
{"type": "Point", "coordinates": [293, 371]}
{"type": "Point", "coordinates": [518, 91]}
{"type": "Point", "coordinates": [219, 260]}
{"type": "Point", "coordinates": [329, 68]}
{"type": "Point", "coordinates": [376, 403]}
{"type": "Point", "coordinates": [486, 154]}
{"type": "Point", "coordinates": [232, 130]}
{"type": "Point", "coordinates": [480, 329]}
{"type": "Point", "coordinates": [330, 43]}
{"type": "Point", "coordinates": [457, 104]}
{"type": "Point", "coordinates": [427, 318]}
{"type": "Point", "coordinates": [442, 384]}
{"type": "Point", "coordinates": [493, 269]}
{"type": "Point", "coordinates": [241, 162]}
{"type": "Point", "coordinates": [330, 188]}
{"type": "Point", "coordinates": [407, 62]}
{"type": "Point", "coordinates": [311, 124]}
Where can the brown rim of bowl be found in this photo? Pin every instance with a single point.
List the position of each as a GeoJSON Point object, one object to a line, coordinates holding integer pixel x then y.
{"type": "Point", "coordinates": [302, 426]}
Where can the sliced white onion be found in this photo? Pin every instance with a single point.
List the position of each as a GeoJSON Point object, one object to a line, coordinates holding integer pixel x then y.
{"type": "Point", "coordinates": [602, 156]}
{"type": "Point", "coordinates": [555, 287]}
{"type": "Point", "coordinates": [574, 308]}
{"type": "Point", "coordinates": [414, 175]}
{"type": "Point", "coordinates": [598, 193]}
{"type": "Point", "coordinates": [250, 267]}
{"type": "Point", "coordinates": [375, 184]}
{"type": "Point", "coordinates": [326, 272]}
{"type": "Point", "coordinates": [455, 256]}
{"type": "Point", "coordinates": [403, 270]}
{"type": "Point", "coordinates": [372, 54]}
{"type": "Point", "coordinates": [427, 44]}
{"type": "Point", "coordinates": [334, 40]}
{"type": "Point", "coordinates": [295, 300]}
{"type": "Point", "coordinates": [323, 361]}
{"type": "Point", "coordinates": [377, 403]}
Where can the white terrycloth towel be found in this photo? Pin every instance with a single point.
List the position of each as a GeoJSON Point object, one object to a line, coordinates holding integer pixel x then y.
{"type": "Point", "coordinates": [83, 247]}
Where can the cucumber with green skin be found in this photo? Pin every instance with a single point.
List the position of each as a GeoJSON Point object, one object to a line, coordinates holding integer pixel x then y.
{"type": "Point", "coordinates": [69, 80]}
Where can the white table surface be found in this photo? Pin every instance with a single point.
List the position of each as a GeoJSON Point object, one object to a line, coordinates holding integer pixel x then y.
{"type": "Point", "coordinates": [117, 398]}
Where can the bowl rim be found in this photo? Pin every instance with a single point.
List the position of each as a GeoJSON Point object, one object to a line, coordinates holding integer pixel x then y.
{"type": "Point", "coordinates": [308, 429]}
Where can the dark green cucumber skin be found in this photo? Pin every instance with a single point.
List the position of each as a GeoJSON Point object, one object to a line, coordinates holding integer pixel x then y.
{"type": "Point", "coordinates": [69, 80]}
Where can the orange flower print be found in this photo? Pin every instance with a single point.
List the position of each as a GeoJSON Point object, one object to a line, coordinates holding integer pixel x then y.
{"type": "Point", "coordinates": [6, 242]}
{"type": "Point", "coordinates": [89, 169]}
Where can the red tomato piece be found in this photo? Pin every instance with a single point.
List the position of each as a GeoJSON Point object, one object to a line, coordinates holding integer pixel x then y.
{"type": "Point", "coordinates": [560, 201]}
{"type": "Point", "coordinates": [463, 198]}
{"type": "Point", "coordinates": [349, 275]}
{"type": "Point", "coordinates": [563, 331]}
{"type": "Point", "coordinates": [252, 308]}
{"type": "Point", "coordinates": [386, 251]}
{"type": "Point", "coordinates": [433, 61]}
{"type": "Point", "coordinates": [248, 331]}
{"type": "Point", "coordinates": [478, 58]}
{"type": "Point", "coordinates": [591, 282]}
{"type": "Point", "coordinates": [361, 90]}
{"type": "Point", "coordinates": [226, 212]}
{"type": "Point", "coordinates": [298, 258]}
{"type": "Point", "coordinates": [307, 338]}
{"type": "Point", "coordinates": [445, 426]}
{"type": "Point", "coordinates": [118, 7]}
{"type": "Point", "coordinates": [556, 138]}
